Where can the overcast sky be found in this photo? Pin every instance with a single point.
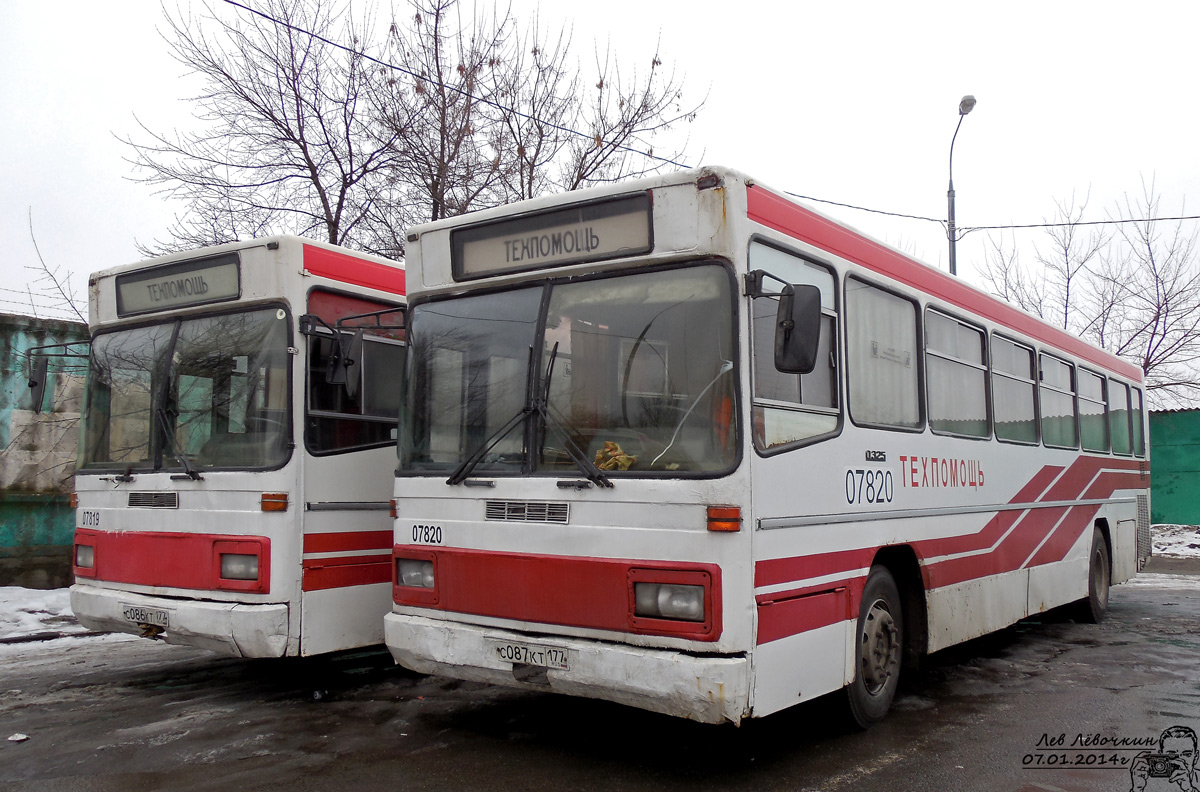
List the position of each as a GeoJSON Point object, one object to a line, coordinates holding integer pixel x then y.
{"type": "Point", "coordinates": [849, 102]}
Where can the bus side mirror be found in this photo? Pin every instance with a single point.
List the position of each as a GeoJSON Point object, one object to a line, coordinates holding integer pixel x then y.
{"type": "Point", "coordinates": [797, 329]}
{"type": "Point", "coordinates": [38, 366]}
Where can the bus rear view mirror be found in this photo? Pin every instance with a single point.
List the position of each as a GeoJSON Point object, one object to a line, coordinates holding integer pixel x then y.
{"type": "Point", "coordinates": [38, 366]}
{"type": "Point", "coordinates": [797, 329]}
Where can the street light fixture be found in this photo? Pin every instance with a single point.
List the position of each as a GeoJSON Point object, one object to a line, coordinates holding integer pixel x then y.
{"type": "Point", "coordinates": [965, 106]}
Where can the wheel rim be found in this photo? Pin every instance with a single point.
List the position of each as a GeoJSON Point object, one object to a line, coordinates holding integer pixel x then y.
{"type": "Point", "coordinates": [880, 655]}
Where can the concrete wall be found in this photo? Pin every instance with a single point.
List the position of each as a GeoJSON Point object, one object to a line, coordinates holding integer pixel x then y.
{"type": "Point", "coordinates": [1175, 467]}
{"type": "Point", "coordinates": [37, 465]}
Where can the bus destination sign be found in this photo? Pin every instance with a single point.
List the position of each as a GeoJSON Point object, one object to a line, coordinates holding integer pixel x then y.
{"type": "Point", "coordinates": [587, 232]}
{"type": "Point", "coordinates": [179, 285]}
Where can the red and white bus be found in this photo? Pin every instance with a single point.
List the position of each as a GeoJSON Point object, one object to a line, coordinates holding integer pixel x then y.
{"type": "Point", "coordinates": [238, 446]}
{"type": "Point", "coordinates": [687, 444]}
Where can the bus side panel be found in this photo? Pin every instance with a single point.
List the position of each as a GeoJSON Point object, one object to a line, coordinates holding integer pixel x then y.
{"type": "Point", "coordinates": [347, 544]}
{"type": "Point", "coordinates": [966, 610]}
{"type": "Point", "coordinates": [786, 671]}
{"type": "Point", "coordinates": [344, 618]}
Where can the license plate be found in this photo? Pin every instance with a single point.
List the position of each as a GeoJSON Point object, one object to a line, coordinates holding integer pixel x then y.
{"type": "Point", "coordinates": [138, 614]}
{"type": "Point", "coordinates": [532, 654]}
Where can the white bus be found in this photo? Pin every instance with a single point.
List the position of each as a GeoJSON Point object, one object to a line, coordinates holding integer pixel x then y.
{"type": "Point", "coordinates": [687, 444]}
{"type": "Point", "coordinates": [238, 446]}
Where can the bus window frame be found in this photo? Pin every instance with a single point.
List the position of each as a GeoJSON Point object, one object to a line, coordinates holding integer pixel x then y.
{"type": "Point", "coordinates": [985, 350]}
{"type": "Point", "coordinates": [1079, 397]}
{"type": "Point", "coordinates": [160, 452]}
{"type": "Point", "coordinates": [1072, 370]}
{"type": "Point", "coordinates": [919, 359]}
{"type": "Point", "coordinates": [333, 414]}
{"type": "Point", "coordinates": [1032, 382]}
{"type": "Point", "coordinates": [837, 347]}
{"type": "Point", "coordinates": [551, 279]}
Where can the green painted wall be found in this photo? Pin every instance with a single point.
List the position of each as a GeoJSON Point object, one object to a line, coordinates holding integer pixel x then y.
{"type": "Point", "coordinates": [1175, 452]}
{"type": "Point", "coordinates": [37, 463]}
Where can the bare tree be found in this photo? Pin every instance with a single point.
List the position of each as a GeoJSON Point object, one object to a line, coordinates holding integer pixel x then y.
{"type": "Point", "coordinates": [1063, 276]}
{"type": "Point", "coordinates": [309, 126]}
{"type": "Point", "coordinates": [1152, 280]}
{"type": "Point", "coordinates": [484, 111]}
{"type": "Point", "coordinates": [1134, 292]}
{"type": "Point", "coordinates": [285, 142]}
{"type": "Point", "coordinates": [437, 103]}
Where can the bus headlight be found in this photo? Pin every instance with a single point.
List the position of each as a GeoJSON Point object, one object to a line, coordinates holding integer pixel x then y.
{"type": "Point", "coordinates": [239, 566]}
{"type": "Point", "coordinates": [669, 601]}
{"type": "Point", "coordinates": [85, 556]}
{"type": "Point", "coordinates": [413, 572]}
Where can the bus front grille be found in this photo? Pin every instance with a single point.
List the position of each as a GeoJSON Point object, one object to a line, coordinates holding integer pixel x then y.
{"type": "Point", "coordinates": [154, 500]}
{"type": "Point", "coordinates": [528, 511]}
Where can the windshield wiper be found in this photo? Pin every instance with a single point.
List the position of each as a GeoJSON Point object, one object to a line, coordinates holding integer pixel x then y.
{"type": "Point", "coordinates": [188, 468]}
{"type": "Point", "coordinates": [541, 406]}
{"type": "Point", "coordinates": [536, 405]}
{"type": "Point", "coordinates": [461, 473]}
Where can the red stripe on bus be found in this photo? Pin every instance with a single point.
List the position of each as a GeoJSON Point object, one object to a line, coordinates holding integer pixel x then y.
{"type": "Point", "coordinates": [785, 617]}
{"type": "Point", "coordinates": [1038, 536]}
{"type": "Point", "coordinates": [776, 571]}
{"type": "Point", "coordinates": [350, 269]}
{"type": "Point", "coordinates": [594, 593]}
{"type": "Point", "coordinates": [779, 213]}
{"type": "Point", "coordinates": [172, 560]}
{"type": "Point", "coordinates": [347, 541]}
{"type": "Point", "coordinates": [331, 573]}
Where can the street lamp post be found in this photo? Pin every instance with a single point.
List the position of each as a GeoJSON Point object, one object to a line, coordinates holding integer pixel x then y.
{"type": "Point", "coordinates": [965, 106]}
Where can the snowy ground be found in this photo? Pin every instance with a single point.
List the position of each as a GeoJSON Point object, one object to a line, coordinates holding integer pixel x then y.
{"type": "Point", "coordinates": [1176, 540]}
{"type": "Point", "coordinates": [30, 614]}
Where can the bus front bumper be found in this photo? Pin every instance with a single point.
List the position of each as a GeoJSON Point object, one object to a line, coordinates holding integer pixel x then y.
{"type": "Point", "coordinates": [229, 628]}
{"type": "Point", "coordinates": [709, 689]}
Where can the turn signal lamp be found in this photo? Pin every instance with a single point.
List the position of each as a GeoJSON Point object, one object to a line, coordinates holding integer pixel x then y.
{"type": "Point", "coordinates": [74, 500]}
{"type": "Point", "coordinates": [725, 518]}
{"type": "Point", "coordinates": [274, 501]}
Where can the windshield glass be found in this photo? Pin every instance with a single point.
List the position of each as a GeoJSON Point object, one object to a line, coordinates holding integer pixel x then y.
{"type": "Point", "coordinates": [632, 373]}
{"type": "Point", "coordinates": [212, 389]}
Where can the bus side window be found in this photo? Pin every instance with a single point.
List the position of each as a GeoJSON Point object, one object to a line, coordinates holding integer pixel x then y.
{"type": "Point", "coordinates": [1013, 387]}
{"type": "Point", "coordinates": [792, 408]}
{"type": "Point", "coordinates": [1139, 430]}
{"type": "Point", "coordinates": [1059, 429]}
{"type": "Point", "coordinates": [1093, 407]}
{"type": "Point", "coordinates": [956, 377]}
{"type": "Point", "coordinates": [881, 348]}
{"type": "Point", "coordinates": [1118, 417]}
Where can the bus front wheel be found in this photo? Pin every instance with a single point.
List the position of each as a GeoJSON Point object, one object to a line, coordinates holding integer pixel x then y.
{"type": "Point", "coordinates": [879, 647]}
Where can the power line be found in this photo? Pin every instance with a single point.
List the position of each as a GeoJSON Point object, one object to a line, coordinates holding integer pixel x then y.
{"type": "Point", "coordinates": [665, 160]}
{"type": "Point", "coordinates": [1015, 226]}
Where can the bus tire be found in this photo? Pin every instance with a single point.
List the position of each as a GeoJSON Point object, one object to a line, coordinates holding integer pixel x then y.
{"type": "Point", "coordinates": [1091, 609]}
{"type": "Point", "coordinates": [878, 650]}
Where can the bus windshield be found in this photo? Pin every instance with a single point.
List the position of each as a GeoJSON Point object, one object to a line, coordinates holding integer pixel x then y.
{"type": "Point", "coordinates": [191, 394]}
{"type": "Point", "coordinates": [632, 375]}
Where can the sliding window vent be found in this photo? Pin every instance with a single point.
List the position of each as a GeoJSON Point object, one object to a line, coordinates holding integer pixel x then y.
{"type": "Point", "coordinates": [154, 500]}
{"type": "Point", "coordinates": [528, 511]}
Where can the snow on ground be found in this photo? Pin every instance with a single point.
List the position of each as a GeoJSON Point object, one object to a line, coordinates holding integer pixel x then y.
{"type": "Point", "coordinates": [28, 611]}
{"type": "Point", "coordinates": [1176, 540]}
